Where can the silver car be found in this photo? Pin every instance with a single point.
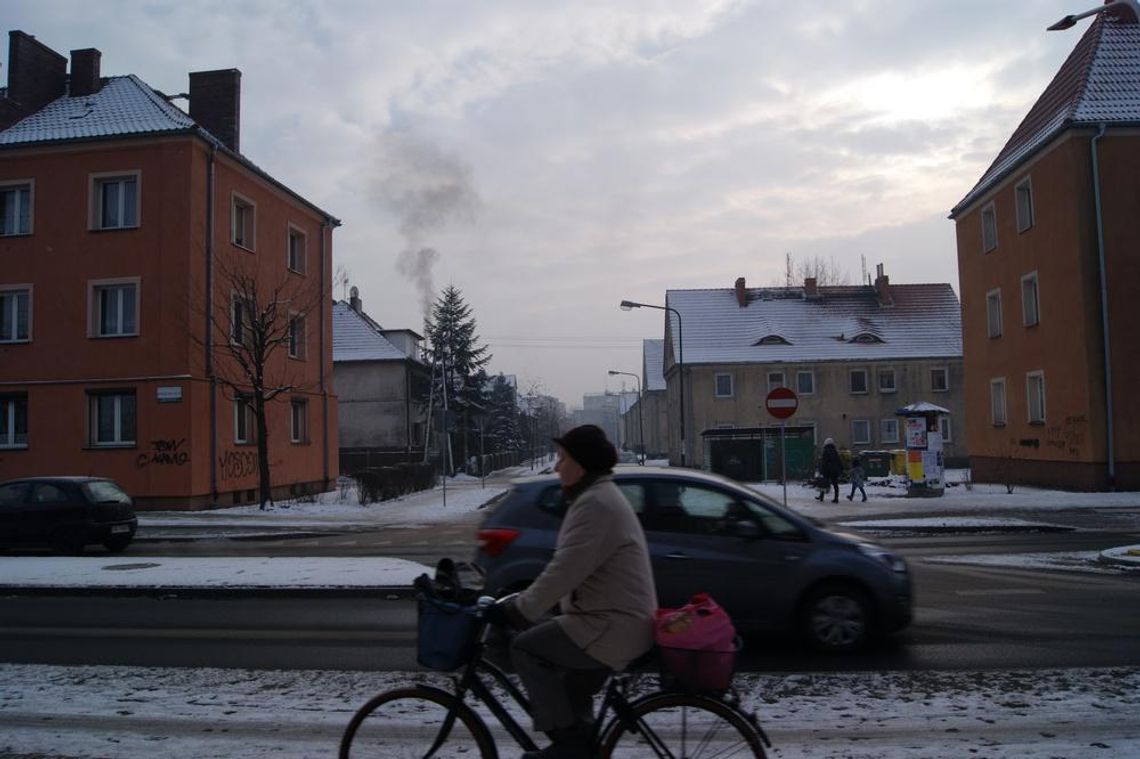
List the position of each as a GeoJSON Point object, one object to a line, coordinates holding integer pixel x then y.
{"type": "Point", "coordinates": [770, 568]}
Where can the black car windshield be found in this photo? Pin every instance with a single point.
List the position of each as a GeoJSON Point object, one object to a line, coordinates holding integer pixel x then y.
{"type": "Point", "coordinates": [105, 491]}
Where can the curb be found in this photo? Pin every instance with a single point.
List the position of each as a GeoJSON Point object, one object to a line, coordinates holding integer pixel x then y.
{"type": "Point", "coordinates": [1127, 557]}
{"type": "Point", "coordinates": [379, 593]}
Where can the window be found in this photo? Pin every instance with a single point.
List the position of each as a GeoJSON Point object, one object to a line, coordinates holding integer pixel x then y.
{"type": "Point", "coordinates": [244, 423]}
{"type": "Point", "coordinates": [297, 336]}
{"type": "Point", "coordinates": [887, 381]}
{"type": "Point", "coordinates": [1023, 193]}
{"type": "Point", "coordinates": [989, 228]}
{"type": "Point", "coordinates": [775, 380]}
{"type": "Point", "coordinates": [115, 201]}
{"type": "Point", "coordinates": [1030, 304]}
{"type": "Point", "coordinates": [1035, 396]}
{"type": "Point", "coordinates": [16, 314]}
{"type": "Point", "coordinates": [242, 217]}
{"type": "Point", "coordinates": [241, 316]}
{"type": "Point", "coordinates": [724, 386]}
{"type": "Point", "coordinates": [13, 420]}
{"type": "Point", "coordinates": [944, 428]}
{"type": "Point", "coordinates": [16, 208]}
{"type": "Point", "coordinates": [114, 308]}
{"type": "Point", "coordinates": [889, 430]}
{"type": "Point", "coordinates": [298, 424]}
{"type": "Point", "coordinates": [860, 431]}
{"type": "Point", "coordinates": [993, 313]}
{"type": "Point", "coordinates": [939, 381]}
{"type": "Point", "coordinates": [997, 402]}
{"type": "Point", "coordinates": [805, 383]}
{"type": "Point", "coordinates": [112, 418]}
{"type": "Point", "coordinates": [296, 252]}
{"type": "Point", "coordinates": [690, 508]}
{"type": "Point", "coordinates": [857, 380]}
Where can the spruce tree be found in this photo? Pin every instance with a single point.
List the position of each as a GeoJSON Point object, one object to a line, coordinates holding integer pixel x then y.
{"type": "Point", "coordinates": [504, 432]}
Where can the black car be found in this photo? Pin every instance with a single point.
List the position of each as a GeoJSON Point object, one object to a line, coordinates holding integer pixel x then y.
{"type": "Point", "coordinates": [66, 513]}
{"type": "Point", "coordinates": [770, 568]}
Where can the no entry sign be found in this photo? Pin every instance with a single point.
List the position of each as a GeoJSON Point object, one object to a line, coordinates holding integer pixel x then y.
{"type": "Point", "coordinates": [782, 402]}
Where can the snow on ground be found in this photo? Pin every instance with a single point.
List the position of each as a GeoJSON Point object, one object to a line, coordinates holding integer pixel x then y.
{"type": "Point", "coordinates": [948, 523]}
{"type": "Point", "coordinates": [139, 713]}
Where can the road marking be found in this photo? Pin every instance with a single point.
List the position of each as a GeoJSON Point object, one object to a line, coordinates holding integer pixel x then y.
{"type": "Point", "coordinates": [1001, 592]}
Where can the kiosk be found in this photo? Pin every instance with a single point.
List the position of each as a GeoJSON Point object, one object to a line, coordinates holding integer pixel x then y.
{"type": "Point", "coordinates": [924, 467]}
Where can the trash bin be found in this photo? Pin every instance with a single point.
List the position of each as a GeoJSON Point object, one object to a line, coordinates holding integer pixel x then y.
{"type": "Point", "coordinates": [876, 463]}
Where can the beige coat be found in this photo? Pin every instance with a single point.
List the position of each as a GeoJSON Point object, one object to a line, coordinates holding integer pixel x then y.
{"type": "Point", "coordinates": [601, 578]}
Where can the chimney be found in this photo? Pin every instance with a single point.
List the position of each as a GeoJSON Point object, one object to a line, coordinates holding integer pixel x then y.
{"type": "Point", "coordinates": [354, 299]}
{"type": "Point", "coordinates": [741, 293]}
{"type": "Point", "coordinates": [883, 287]}
{"type": "Point", "coordinates": [37, 75]}
{"type": "Point", "coordinates": [810, 288]}
{"type": "Point", "coordinates": [85, 72]}
{"type": "Point", "coordinates": [215, 103]}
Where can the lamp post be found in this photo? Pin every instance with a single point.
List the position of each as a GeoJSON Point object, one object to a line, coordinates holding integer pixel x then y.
{"type": "Point", "coordinates": [626, 305]}
{"type": "Point", "coordinates": [640, 425]}
{"type": "Point", "coordinates": [1068, 21]}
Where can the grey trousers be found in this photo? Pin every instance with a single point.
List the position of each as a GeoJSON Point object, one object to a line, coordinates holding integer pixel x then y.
{"type": "Point", "coordinates": [559, 677]}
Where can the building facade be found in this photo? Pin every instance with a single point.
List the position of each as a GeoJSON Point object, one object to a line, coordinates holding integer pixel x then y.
{"type": "Point", "coordinates": [133, 238]}
{"type": "Point", "coordinates": [1047, 243]}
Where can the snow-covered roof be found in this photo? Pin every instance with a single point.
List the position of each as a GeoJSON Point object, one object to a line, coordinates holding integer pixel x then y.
{"type": "Point", "coordinates": [654, 356]}
{"type": "Point", "coordinates": [124, 106]}
{"type": "Point", "coordinates": [923, 407]}
{"type": "Point", "coordinates": [841, 324]}
{"type": "Point", "coordinates": [1097, 84]}
{"type": "Point", "coordinates": [357, 338]}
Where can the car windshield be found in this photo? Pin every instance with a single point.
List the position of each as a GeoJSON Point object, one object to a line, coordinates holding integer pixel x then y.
{"type": "Point", "coordinates": [105, 491]}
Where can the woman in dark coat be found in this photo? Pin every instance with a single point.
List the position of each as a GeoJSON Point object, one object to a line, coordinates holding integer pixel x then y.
{"type": "Point", "coordinates": [830, 467]}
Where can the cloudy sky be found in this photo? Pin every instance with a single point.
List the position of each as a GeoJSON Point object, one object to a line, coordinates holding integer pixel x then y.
{"type": "Point", "coordinates": [552, 158]}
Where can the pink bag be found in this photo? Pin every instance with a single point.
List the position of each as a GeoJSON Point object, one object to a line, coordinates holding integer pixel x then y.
{"type": "Point", "coordinates": [700, 625]}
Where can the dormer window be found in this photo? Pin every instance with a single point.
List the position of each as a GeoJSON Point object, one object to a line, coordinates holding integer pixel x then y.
{"type": "Point", "coordinates": [866, 337]}
{"type": "Point", "coordinates": [772, 340]}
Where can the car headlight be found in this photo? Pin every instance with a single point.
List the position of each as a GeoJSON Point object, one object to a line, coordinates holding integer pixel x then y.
{"type": "Point", "coordinates": [893, 561]}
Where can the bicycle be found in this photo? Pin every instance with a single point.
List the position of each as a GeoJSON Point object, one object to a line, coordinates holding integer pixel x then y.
{"type": "Point", "coordinates": [426, 721]}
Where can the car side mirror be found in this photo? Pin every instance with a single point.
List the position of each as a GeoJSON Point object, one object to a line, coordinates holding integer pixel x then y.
{"type": "Point", "coordinates": [748, 529]}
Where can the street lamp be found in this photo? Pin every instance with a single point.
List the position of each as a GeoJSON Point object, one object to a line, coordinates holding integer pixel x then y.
{"type": "Point", "coordinates": [626, 305]}
{"type": "Point", "coordinates": [640, 425]}
{"type": "Point", "coordinates": [1068, 21]}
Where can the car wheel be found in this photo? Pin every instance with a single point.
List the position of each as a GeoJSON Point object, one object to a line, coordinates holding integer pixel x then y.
{"type": "Point", "coordinates": [836, 618]}
{"type": "Point", "coordinates": [117, 544]}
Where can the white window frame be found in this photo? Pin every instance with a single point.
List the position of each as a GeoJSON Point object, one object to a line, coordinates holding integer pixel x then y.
{"type": "Point", "coordinates": [993, 317]}
{"type": "Point", "coordinates": [1031, 306]}
{"type": "Point", "coordinates": [945, 379]}
{"type": "Point", "coordinates": [989, 227]}
{"type": "Point", "coordinates": [15, 186]}
{"type": "Point", "coordinates": [811, 383]}
{"type": "Point", "coordinates": [10, 299]}
{"type": "Point", "coordinates": [884, 425]}
{"type": "Point", "coordinates": [851, 382]}
{"type": "Point", "coordinates": [298, 332]}
{"type": "Point", "coordinates": [780, 382]}
{"type": "Point", "coordinates": [716, 385]}
{"type": "Point", "coordinates": [96, 289]}
{"type": "Point", "coordinates": [1023, 203]}
{"type": "Point", "coordinates": [296, 260]}
{"type": "Point", "coordinates": [1035, 406]}
{"type": "Point", "coordinates": [119, 435]}
{"type": "Point", "coordinates": [945, 428]}
{"type": "Point", "coordinates": [245, 425]}
{"type": "Point", "coordinates": [883, 374]}
{"type": "Point", "coordinates": [10, 436]}
{"type": "Point", "coordinates": [247, 216]}
{"type": "Point", "coordinates": [998, 411]}
{"type": "Point", "coordinates": [98, 184]}
{"type": "Point", "coordinates": [299, 420]}
{"type": "Point", "coordinates": [866, 439]}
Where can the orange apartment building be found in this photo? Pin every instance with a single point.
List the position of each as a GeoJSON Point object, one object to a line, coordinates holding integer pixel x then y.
{"type": "Point", "coordinates": [126, 222]}
{"type": "Point", "coordinates": [1048, 245]}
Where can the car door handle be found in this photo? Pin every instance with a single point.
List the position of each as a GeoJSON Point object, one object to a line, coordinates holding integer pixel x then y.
{"type": "Point", "coordinates": [684, 556]}
{"type": "Point", "coordinates": [792, 557]}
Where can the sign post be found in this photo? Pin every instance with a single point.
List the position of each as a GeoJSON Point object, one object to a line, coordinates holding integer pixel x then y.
{"type": "Point", "coordinates": [782, 403]}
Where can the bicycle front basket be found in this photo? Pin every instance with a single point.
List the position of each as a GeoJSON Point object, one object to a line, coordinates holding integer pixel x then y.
{"type": "Point", "coordinates": [446, 635]}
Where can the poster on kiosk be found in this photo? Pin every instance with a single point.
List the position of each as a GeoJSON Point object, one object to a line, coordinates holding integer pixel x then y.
{"type": "Point", "coordinates": [924, 462]}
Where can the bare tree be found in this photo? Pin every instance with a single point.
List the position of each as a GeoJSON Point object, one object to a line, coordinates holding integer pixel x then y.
{"type": "Point", "coordinates": [827, 272]}
{"type": "Point", "coordinates": [258, 322]}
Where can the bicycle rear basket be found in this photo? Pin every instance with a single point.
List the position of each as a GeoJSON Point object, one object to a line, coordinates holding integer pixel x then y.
{"type": "Point", "coordinates": [445, 639]}
{"type": "Point", "coordinates": [697, 670]}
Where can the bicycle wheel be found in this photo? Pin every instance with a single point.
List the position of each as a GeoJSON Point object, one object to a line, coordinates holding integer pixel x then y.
{"type": "Point", "coordinates": [416, 723]}
{"type": "Point", "coordinates": [684, 726]}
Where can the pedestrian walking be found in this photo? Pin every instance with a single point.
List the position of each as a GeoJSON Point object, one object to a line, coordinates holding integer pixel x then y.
{"type": "Point", "coordinates": [830, 467]}
{"type": "Point", "coordinates": [858, 477]}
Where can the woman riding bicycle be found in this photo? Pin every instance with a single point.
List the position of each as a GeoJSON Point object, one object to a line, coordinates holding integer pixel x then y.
{"type": "Point", "coordinates": [602, 581]}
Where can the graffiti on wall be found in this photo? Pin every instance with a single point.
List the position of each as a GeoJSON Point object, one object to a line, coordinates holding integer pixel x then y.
{"type": "Point", "coordinates": [164, 453]}
{"type": "Point", "coordinates": [235, 464]}
{"type": "Point", "coordinates": [1070, 436]}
